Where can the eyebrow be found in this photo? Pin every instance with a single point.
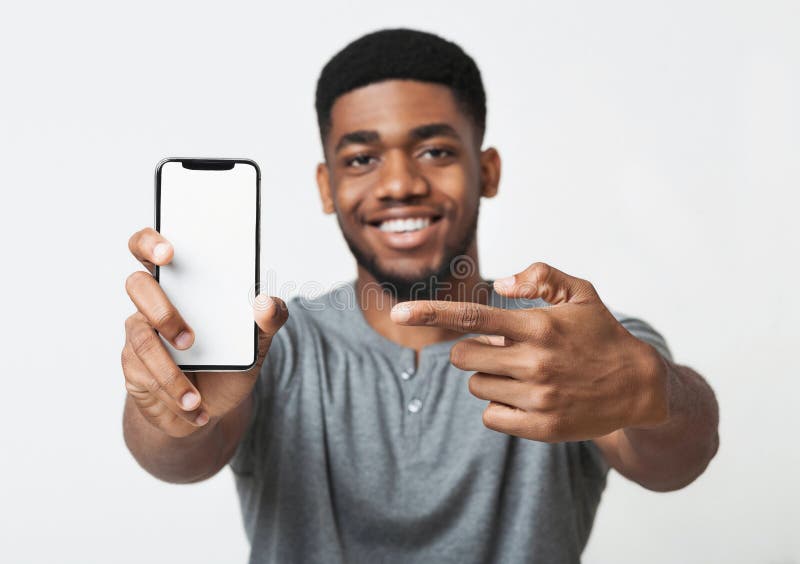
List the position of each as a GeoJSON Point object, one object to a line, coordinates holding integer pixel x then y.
{"type": "Point", "coordinates": [361, 137]}
{"type": "Point", "coordinates": [365, 136]}
{"type": "Point", "coordinates": [434, 130]}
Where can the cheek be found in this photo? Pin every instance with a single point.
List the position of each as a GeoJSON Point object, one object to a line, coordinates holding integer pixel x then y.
{"type": "Point", "coordinates": [462, 194]}
{"type": "Point", "coordinates": [348, 197]}
{"type": "Point", "coordinates": [451, 181]}
{"type": "Point", "coordinates": [460, 182]}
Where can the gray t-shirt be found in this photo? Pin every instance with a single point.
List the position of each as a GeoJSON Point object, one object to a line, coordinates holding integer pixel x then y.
{"type": "Point", "coordinates": [354, 455]}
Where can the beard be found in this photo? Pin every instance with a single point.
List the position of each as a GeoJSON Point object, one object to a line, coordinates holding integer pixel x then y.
{"type": "Point", "coordinates": [425, 285]}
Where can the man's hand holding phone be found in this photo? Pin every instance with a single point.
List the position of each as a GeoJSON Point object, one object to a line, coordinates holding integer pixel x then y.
{"type": "Point", "coordinates": [180, 403]}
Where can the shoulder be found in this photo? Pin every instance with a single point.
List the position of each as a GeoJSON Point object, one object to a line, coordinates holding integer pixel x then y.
{"type": "Point", "coordinates": [314, 318]}
{"type": "Point", "coordinates": [322, 311]}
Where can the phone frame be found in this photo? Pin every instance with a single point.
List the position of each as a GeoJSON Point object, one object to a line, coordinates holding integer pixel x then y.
{"type": "Point", "coordinates": [199, 163]}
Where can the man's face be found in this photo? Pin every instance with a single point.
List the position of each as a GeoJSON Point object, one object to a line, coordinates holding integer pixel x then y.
{"type": "Point", "coordinates": [405, 175]}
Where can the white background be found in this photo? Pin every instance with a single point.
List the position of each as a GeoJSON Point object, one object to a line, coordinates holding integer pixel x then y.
{"type": "Point", "coordinates": [651, 147]}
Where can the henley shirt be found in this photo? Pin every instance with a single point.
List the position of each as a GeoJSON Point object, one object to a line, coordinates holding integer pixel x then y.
{"type": "Point", "coordinates": [354, 454]}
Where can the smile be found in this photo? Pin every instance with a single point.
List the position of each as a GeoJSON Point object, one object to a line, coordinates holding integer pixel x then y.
{"type": "Point", "coordinates": [405, 230]}
{"type": "Point", "coordinates": [407, 225]}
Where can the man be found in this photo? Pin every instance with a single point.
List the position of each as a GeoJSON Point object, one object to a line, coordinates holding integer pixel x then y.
{"type": "Point", "coordinates": [364, 434]}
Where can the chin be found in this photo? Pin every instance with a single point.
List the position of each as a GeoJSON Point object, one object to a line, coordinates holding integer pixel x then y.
{"type": "Point", "coordinates": [407, 270]}
{"type": "Point", "coordinates": [413, 283]}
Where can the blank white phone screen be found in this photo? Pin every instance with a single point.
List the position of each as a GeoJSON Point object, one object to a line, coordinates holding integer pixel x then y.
{"type": "Point", "coordinates": [210, 217]}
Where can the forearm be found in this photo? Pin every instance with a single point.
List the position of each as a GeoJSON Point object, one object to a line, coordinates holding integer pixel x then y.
{"type": "Point", "coordinates": [673, 454]}
{"type": "Point", "coordinates": [189, 459]}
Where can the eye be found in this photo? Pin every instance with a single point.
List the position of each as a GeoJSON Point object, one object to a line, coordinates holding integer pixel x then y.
{"type": "Point", "coordinates": [436, 153]}
{"type": "Point", "coordinates": [360, 160]}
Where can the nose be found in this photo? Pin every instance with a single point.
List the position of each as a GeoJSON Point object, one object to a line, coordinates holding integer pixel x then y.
{"type": "Point", "coordinates": [400, 179]}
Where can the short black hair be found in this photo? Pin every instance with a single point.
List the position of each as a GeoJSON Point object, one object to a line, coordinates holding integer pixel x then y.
{"type": "Point", "coordinates": [401, 54]}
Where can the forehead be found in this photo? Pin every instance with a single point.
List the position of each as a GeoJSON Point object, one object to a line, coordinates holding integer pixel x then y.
{"type": "Point", "coordinates": [394, 107]}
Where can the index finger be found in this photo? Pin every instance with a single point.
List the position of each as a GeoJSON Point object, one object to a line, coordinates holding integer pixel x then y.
{"type": "Point", "coordinates": [150, 248]}
{"type": "Point", "coordinates": [466, 317]}
{"type": "Point", "coordinates": [165, 375]}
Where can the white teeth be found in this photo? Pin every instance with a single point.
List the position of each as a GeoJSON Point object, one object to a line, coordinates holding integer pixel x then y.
{"type": "Point", "coordinates": [404, 225]}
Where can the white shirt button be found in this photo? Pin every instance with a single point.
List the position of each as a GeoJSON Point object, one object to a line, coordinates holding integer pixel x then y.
{"type": "Point", "coordinates": [414, 405]}
{"type": "Point", "coordinates": [407, 374]}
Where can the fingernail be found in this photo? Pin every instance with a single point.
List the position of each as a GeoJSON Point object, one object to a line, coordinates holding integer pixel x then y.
{"type": "Point", "coordinates": [189, 400]}
{"type": "Point", "coordinates": [401, 312]}
{"type": "Point", "coordinates": [184, 340]}
{"type": "Point", "coordinates": [202, 418]}
{"type": "Point", "coordinates": [161, 250]}
{"type": "Point", "coordinates": [504, 284]}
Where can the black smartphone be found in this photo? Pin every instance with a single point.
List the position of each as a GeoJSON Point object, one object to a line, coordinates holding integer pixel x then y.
{"type": "Point", "coordinates": [209, 209]}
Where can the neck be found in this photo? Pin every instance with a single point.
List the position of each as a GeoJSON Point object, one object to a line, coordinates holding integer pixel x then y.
{"type": "Point", "coordinates": [375, 304]}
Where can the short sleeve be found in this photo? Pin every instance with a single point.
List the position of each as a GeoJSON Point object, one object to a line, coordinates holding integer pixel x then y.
{"type": "Point", "coordinates": [644, 332]}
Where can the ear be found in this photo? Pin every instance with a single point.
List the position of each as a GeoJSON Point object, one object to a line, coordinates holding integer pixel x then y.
{"type": "Point", "coordinates": [490, 172]}
{"type": "Point", "coordinates": [324, 185]}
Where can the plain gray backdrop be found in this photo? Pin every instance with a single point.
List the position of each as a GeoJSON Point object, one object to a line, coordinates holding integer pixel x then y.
{"type": "Point", "coordinates": [650, 147]}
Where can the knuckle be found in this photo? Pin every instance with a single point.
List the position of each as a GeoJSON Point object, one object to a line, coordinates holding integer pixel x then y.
{"type": "Point", "coordinates": [125, 359]}
{"type": "Point", "coordinates": [429, 314]}
{"type": "Point", "coordinates": [590, 289]}
{"type": "Point", "coordinates": [143, 340]}
{"type": "Point", "coordinates": [170, 378]}
{"type": "Point", "coordinates": [530, 322]}
{"type": "Point", "coordinates": [542, 329]}
{"type": "Point", "coordinates": [132, 388]}
{"type": "Point", "coordinates": [130, 322]}
{"type": "Point", "coordinates": [154, 385]}
{"type": "Point", "coordinates": [546, 398]}
{"type": "Point", "coordinates": [165, 382]}
{"type": "Point", "coordinates": [547, 324]}
{"type": "Point", "coordinates": [543, 375]}
{"type": "Point", "coordinates": [538, 369]}
{"type": "Point", "coordinates": [539, 271]}
{"type": "Point", "coordinates": [134, 323]}
{"type": "Point", "coordinates": [165, 317]}
{"type": "Point", "coordinates": [470, 316]}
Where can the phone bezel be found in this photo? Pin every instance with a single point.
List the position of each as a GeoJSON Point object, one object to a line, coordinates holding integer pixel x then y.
{"type": "Point", "coordinates": [209, 162]}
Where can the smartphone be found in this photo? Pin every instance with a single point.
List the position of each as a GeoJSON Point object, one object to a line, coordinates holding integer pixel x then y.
{"type": "Point", "coordinates": [209, 209]}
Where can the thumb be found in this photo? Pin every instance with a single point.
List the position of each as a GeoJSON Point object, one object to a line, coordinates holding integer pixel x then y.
{"type": "Point", "coordinates": [270, 314]}
{"type": "Point", "coordinates": [541, 280]}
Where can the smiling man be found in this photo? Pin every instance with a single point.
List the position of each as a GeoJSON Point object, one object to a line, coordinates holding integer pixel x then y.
{"type": "Point", "coordinates": [420, 413]}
